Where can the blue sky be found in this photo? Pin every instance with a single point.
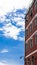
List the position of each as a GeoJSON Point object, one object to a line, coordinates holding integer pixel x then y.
{"type": "Point", "coordinates": [12, 27]}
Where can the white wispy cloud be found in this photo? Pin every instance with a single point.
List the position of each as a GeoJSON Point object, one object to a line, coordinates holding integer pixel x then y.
{"type": "Point", "coordinates": [2, 18]}
{"type": "Point", "coordinates": [4, 51]}
{"type": "Point", "coordinates": [5, 62]}
{"type": "Point", "coordinates": [2, 63]}
{"type": "Point", "coordinates": [10, 30]}
{"type": "Point", "coordinates": [9, 5]}
{"type": "Point", "coordinates": [22, 38]}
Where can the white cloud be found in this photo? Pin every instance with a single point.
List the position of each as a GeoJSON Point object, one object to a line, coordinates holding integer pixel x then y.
{"type": "Point", "coordinates": [21, 38]}
{"type": "Point", "coordinates": [2, 63]}
{"type": "Point", "coordinates": [2, 19]}
{"type": "Point", "coordinates": [20, 21]}
{"type": "Point", "coordinates": [4, 51]}
{"type": "Point", "coordinates": [10, 63]}
{"type": "Point", "coordinates": [17, 19]}
{"type": "Point", "coordinates": [22, 24]}
{"type": "Point", "coordinates": [11, 31]}
{"type": "Point", "coordinates": [9, 5]}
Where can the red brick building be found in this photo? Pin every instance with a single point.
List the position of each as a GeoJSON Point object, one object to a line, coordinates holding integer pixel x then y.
{"type": "Point", "coordinates": [31, 35]}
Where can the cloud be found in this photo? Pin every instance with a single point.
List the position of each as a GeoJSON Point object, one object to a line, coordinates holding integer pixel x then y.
{"type": "Point", "coordinates": [2, 18]}
{"type": "Point", "coordinates": [2, 63]}
{"type": "Point", "coordinates": [5, 62]}
{"type": "Point", "coordinates": [21, 38]}
{"type": "Point", "coordinates": [9, 5]}
{"type": "Point", "coordinates": [11, 31]}
{"type": "Point", "coordinates": [4, 51]}
{"type": "Point", "coordinates": [12, 25]}
{"type": "Point", "coordinates": [22, 24]}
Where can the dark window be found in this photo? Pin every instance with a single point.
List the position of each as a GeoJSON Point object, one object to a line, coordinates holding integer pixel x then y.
{"type": "Point", "coordinates": [29, 63]}
{"type": "Point", "coordinates": [31, 43]}
{"type": "Point", "coordinates": [26, 32]}
{"type": "Point", "coordinates": [35, 4]}
{"type": "Point", "coordinates": [32, 60]}
{"type": "Point", "coordinates": [36, 39]}
{"type": "Point", "coordinates": [36, 21]}
{"type": "Point", "coordinates": [26, 23]}
{"type": "Point", "coordinates": [31, 12]}
{"type": "Point", "coordinates": [30, 27]}
{"type": "Point", "coordinates": [26, 18]}
{"type": "Point", "coordinates": [26, 46]}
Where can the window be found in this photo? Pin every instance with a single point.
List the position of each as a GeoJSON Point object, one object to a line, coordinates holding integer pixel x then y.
{"type": "Point", "coordinates": [26, 18]}
{"type": "Point", "coordinates": [26, 33]}
{"type": "Point", "coordinates": [36, 21]}
{"type": "Point", "coordinates": [35, 4]}
{"type": "Point", "coordinates": [32, 60]}
{"type": "Point", "coordinates": [26, 46]}
{"type": "Point", "coordinates": [30, 27]}
{"type": "Point", "coordinates": [36, 39]}
{"type": "Point", "coordinates": [31, 44]}
{"type": "Point", "coordinates": [29, 63]}
{"type": "Point", "coordinates": [30, 12]}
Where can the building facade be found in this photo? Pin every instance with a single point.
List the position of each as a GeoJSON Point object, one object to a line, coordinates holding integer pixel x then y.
{"type": "Point", "coordinates": [31, 35]}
